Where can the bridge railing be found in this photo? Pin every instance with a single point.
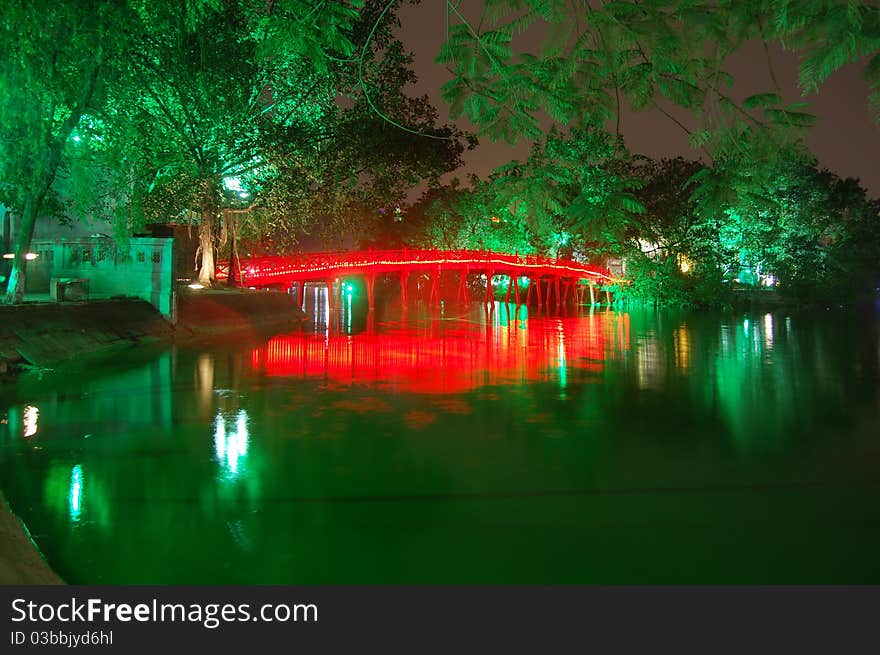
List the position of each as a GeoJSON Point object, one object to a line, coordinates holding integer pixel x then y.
{"type": "Point", "coordinates": [280, 267]}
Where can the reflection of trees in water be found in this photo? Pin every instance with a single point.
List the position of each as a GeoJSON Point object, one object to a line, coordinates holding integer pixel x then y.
{"type": "Point", "coordinates": [766, 379]}
{"type": "Point", "coordinates": [617, 400]}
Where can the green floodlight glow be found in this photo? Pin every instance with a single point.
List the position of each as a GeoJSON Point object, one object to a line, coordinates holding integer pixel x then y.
{"type": "Point", "coordinates": [233, 184]}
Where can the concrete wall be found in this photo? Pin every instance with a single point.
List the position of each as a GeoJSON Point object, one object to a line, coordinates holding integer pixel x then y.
{"type": "Point", "coordinates": [143, 269]}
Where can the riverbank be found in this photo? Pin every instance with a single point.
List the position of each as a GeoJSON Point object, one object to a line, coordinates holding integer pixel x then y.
{"type": "Point", "coordinates": [20, 561]}
{"type": "Point", "coordinates": [44, 334]}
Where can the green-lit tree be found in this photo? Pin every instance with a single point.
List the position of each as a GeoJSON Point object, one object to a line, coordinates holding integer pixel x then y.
{"type": "Point", "coordinates": [59, 61]}
{"type": "Point", "coordinates": [671, 57]}
{"type": "Point", "coordinates": [214, 81]}
{"type": "Point", "coordinates": [651, 54]}
{"type": "Point", "coordinates": [261, 118]}
{"type": "Point", "coordinates": [346, 174]}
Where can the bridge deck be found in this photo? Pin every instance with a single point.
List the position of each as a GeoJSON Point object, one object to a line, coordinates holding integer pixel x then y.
{"type": "Point", "coordinates": [284, 270]}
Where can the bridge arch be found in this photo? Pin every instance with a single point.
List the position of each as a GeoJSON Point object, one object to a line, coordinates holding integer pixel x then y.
{"type": "Point", "coordinates": [563, 279]}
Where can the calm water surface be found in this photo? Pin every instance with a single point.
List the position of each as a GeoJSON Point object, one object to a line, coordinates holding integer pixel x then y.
{"type": "Point", "coordinates": [610, 447]}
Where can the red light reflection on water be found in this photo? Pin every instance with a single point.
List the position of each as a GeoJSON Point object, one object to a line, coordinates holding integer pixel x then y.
{"type": "Point", "coordinates": [451, 356]}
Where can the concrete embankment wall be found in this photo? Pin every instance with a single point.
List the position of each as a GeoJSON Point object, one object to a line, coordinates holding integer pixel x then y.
{"type": "Point", "coordinates": [221, 312]}
{"type": "Point", "coordinates": [46, 334]}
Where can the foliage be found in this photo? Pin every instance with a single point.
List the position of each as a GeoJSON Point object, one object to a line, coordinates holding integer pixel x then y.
{"type": "Point", "coordinates": [574, 192]}
{"type": "Point", "coordinates": [59, 62]}
{"type": "Point", "coordinates": [267, 115]}
{"type": "Point", "coordinates": [789, 226]}
{"type": "Point", "coordinates": [651, 54]}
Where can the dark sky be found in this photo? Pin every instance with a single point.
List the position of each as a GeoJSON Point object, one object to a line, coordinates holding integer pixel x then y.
{"type": "Point", "coordinates": [845, 139]}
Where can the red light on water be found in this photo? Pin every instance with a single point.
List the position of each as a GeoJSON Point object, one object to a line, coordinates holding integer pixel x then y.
{"type": "Point", "coordinates": [461, 358]}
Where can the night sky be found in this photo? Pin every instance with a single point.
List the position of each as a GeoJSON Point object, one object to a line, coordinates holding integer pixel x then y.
{"type": "Point", "coordinates": [845, 139]}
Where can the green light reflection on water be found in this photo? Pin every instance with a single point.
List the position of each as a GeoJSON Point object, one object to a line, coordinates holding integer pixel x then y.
{"type": "Point", "coordinates": [633, 447]}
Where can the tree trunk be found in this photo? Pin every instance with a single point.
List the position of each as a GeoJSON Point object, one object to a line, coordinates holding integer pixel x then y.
{"type": "Point", "coordinates": [234, 276]}
{"type": "Point", "coordinates": [43, 179]}
{"type": "Point", "coordinates": [23, 235]}
{"type": "Point", "coordinates": [24, 232]}
{"type": "Point", "coordinates": [206, 237]}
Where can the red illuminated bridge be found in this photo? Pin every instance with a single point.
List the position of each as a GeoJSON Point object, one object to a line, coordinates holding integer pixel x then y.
{"type": "Point", "coordinates": [552, 280]}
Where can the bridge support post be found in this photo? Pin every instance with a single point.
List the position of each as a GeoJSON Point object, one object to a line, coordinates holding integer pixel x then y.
{"type": "Point", "coordinates": [592, 294]}
{"type": "Point", "coordinates": [608, 297]}
{"type": "Point", "coordinates": [515, 282]}
{"type": "Point", "coordinates": [566, 290]}
{"type": "Point", "coordinates": [404, 280]}
{"type": "Point", "coordinates": [462, 293]}
{"type": "Point", "coordinates": [434, 298]}
{"type": "Point", "coordinates": [509, 286]}
{"type": "Point", "coordinates": [489, 289]}
{"type": "Point", "coordinates": [537, 284]}
{"type": "Point", "coordinates": [371, 286]}
{"type": "Point", "coordinates": [331, 301]}
{"type": "Point", "coordinates": [556, 290]}
{"type": "Point", "coordinates": [297, 290]}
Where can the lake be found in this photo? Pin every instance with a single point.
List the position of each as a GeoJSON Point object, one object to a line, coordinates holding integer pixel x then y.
{"type": "Point", "coordinates": [464, 445]}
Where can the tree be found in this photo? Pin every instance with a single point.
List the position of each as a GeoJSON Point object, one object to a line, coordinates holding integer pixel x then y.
{"type": "Point", "coordinates": [337, 177]}
{"type": "Point", "coordinates": [213, 82]}
{"type": "Point", "coordinates": [261, 115]}
{"type": "Point", "coordinates": [59, 61]}
{"type": "Point", "coordinates": [652, 53]}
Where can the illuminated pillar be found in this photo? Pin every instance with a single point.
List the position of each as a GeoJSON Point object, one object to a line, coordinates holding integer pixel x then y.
{"type": "Point", "coordinates": [489, 274]}
{"type": "Point", "coordinates": [296, 289]}
{"type": "Point", "coordinates": [509, 286]}
{"type": "Point", "coordinates": [537, 284]}
{"type": "Point", "coordinates": [592, 294]}
{"type": "Point", "coordinates": [556, 290]}
{"type": "Point", "coordinates": [462, 294]}
{"type": "Point", "coordinates": [608, 297]}
{"type": "Point", "coordinates": [516, 289]}
{"type": "Point", "coordinates": [529, 292]}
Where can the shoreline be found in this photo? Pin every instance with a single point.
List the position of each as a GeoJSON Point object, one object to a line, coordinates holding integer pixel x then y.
{"type": "Point", "coordinates": [21, 561]}
{"type": "Point", "coordinates": [43, 335]}
{"type": "Point", "coordinates": [40, 336]}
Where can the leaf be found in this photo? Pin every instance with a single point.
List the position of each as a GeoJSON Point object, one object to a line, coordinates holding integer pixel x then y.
{"type": "Point", "coordinates": [791, 118]}
{"type": "Point", "coordinates": [762, 100]}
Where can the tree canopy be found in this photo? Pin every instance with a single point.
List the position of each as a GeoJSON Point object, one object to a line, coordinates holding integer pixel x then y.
{"type": "Point", "coordinates": [203, 108]}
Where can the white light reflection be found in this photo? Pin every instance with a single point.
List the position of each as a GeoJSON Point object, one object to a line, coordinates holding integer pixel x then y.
{"type": "Point", "coordinates": [230, 447]}
{"type": "Point", "coordinates": [31, 414]}
{"type": "Point", "coordinates": [74, 498]}
{"type": "Point", "coordinates": [768, 331]}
